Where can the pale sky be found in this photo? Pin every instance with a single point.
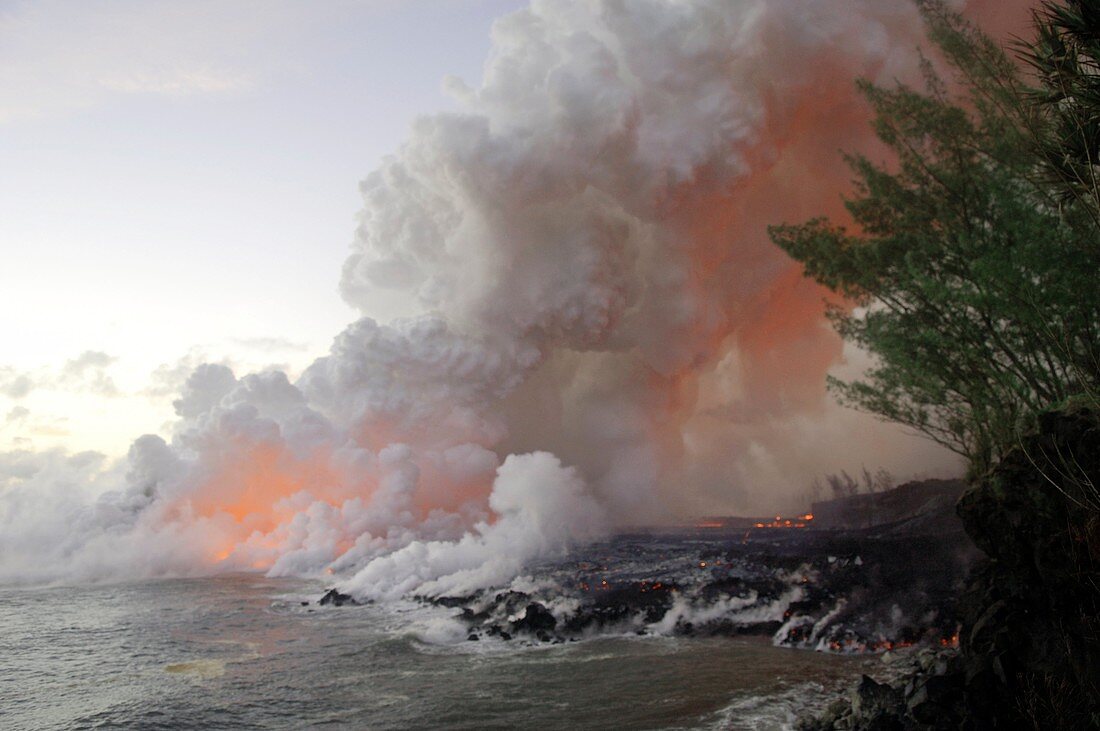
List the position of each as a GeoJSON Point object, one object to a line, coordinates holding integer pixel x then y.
{"type": "Point", "coordinates": [179, 183]}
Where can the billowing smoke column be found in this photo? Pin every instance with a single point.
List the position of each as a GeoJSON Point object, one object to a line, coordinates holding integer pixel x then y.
{"type": "Point", "coordinates": [608, 335]}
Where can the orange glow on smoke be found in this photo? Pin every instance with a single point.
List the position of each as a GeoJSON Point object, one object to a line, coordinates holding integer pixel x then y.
{"type": "Point", "coordinates": [252, 479]}
{"type": "Point", "coordinates": [244, 495]}
{"type": "Point", "coordinates": [254, 488]}
{"type": "Point", "coordinates": [743, 295]}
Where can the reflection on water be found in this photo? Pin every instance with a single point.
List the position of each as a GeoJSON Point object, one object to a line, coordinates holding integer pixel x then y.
{"type": "Point", "coordinates": [242, 652]}
{"type": "Point", "coordinates": [202, 668]}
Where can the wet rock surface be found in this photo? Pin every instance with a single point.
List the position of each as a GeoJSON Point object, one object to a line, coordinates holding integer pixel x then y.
{"type": "Point", "coordinates": [536, 619]}
{"type": "Point", "coordinates": [336, 599]}
{"type": "Point", "coordinates": [924, 692]}
{"type": "Point", "coordinates": [846, 590]}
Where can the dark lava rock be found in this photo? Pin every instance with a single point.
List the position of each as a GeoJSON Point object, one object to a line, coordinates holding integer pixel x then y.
{"type": "Point", "coordinates": [622, 604]}
{"type": "Point", "coordinates": [536, 620]}
{"type": "Point", "coordinates": [934, 702]}
{"type": "Point", "coordinates": [336, 599]}
{"type": "Point", "coordinates": [1031, 615]}
{"type": "Point", "coordinates": [1029, 653]}
{"type": "Point", "coordinates": [930, 700]}
{"type": "Point", "coordinates": [504, 603]}
{"type": "Point", "coordinates": [838, 709]}
{"type": "Point", "coordinates": [907, 508]}
{"type": "Point", "coordinates": [876, 705]}
{"type": "Point", "coordinates": [850, 585]}
{"type": "Point", "coordinates": [472, 637]}
{"type": "Point", "coordinates": [451, 602]}
{"type": "Point", "coordinates": [876, 574]}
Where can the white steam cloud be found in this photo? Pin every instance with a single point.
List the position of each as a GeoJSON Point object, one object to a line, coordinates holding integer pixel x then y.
{"type": "Point", "coordinates": [608, 336]}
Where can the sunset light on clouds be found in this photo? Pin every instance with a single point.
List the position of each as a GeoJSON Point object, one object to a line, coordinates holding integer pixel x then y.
{"type": "Point", "coordinates": [180, 187]}
{"type": "Point", "coordinates": [348, 290]}
{"type": "Point", "coordinates": [556, 364]}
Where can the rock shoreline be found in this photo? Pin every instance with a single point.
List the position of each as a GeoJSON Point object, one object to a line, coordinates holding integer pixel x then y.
{"type": "Point", "coordinates": [1029, 654]}
{"type": "Point", "coordinates": [926, 695]}
{"type": "Point", "coordinates": [848, 591]}
{"type": "Point", "coordinates": [844, 589]}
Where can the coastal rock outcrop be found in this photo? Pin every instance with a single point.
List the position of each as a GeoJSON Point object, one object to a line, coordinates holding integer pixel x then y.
{"type": "Point", "coordinates": [928, 696]}
{"type": "Point", "coordinates": [889, 582]}
{"type": "Point", "coordinates": [336, 599]}
{"type": "Point", "coordinates": [1031, 616]}
{"type": "Point", "coordinates": [1029, 653]}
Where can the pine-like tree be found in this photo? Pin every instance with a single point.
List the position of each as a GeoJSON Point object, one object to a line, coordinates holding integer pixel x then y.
{"type": "Point", "coordinates": [968, 278]}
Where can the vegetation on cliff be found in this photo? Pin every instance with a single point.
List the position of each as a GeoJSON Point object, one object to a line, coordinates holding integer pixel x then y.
{"type": "Point", "coordinates": [969, 270]}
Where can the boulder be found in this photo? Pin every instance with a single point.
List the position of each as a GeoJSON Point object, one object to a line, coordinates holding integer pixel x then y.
{"type": "Point", "coordinates": [876, 705]}
{"type": "Point", "coordinates": [336, 599]}
{"type": "Point", "coordinates": [934, 702]}
{"type": "Point", "coordinates": [536, 620]}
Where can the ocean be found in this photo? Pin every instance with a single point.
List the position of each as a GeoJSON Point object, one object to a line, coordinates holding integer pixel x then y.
{"type": "Point", "coordinates": [243, 652]}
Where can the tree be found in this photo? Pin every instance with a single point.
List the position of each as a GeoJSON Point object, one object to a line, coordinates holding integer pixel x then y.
{"type": "Point", "coordinates": [842, 485]}
{"type": "Point", "coordinates": [969, 282]}
{"type": "Point", "coordinates": [1065, 57]}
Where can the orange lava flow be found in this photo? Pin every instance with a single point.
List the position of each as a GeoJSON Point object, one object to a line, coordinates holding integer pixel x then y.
{"type": "Point", "coordinates": [800, 521]}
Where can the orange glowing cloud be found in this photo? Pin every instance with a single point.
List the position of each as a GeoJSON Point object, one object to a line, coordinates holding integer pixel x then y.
{"type": "Point", "coordinates": [250, 482]}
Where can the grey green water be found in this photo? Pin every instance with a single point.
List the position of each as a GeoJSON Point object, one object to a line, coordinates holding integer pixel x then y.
{"type": "Point", "coordinates": [241, 652]}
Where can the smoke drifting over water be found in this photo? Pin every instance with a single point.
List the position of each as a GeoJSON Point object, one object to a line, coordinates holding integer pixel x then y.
{"type": "Point", "coordinates": [608, 335]}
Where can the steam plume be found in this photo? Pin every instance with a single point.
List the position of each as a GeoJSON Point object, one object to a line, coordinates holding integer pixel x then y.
{"type": "Point", "coordinates": [608, 336]}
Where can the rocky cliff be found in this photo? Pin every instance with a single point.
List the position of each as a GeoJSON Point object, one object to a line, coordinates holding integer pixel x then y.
{"type": "Point", "coordinates": [1029, 653]}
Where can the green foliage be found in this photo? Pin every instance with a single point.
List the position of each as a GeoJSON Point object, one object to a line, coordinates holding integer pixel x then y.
{"type": "Point", "coordinates": [976, 291]}
{"type": "Point", "coordinates": [1065, 56]}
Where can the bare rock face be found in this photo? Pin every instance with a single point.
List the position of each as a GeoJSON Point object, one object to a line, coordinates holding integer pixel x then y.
{"type": "Point", "coordinates": [930, 698]}
{"type": "Point", "coordinates": [907, 508]}
{"type": "Point", "coordinates": [876, 705]}
{"type": "Point", "coordinates": [1029, 652]}
{"type": "Point", "coordinates": [1031, 616]}
{"type": "Point", "coordinates": [536, 620]}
